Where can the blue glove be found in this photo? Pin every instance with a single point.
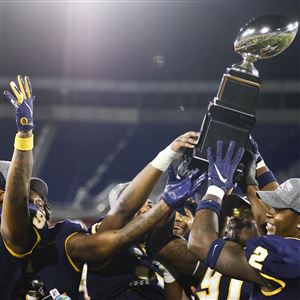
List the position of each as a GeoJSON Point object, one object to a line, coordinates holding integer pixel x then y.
{"type": "Point", "coordinates": [255, 150]}
{"type": "Point", "coordinates": [23, 102]}
{"type": "Point", "coordinates": [178, 191]}
{"type": "Point", "coordinates": [220, 172]}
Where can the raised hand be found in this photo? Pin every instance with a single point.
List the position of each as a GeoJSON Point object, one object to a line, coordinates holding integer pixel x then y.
{"type": "Point", "coordinates": [255, 150]}
{"type": "Point", "coordinates": [186, 140]}
{"type": "Point", "coordinates": [23, 102]}
{"type": "Point", "coordinates": [175, 150]}
{"type": "Point", "coordinates": [178, 191]}
{"type": "Point", "coordinates": [220, 171]}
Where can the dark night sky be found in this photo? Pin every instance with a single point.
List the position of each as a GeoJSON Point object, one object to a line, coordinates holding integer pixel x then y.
{"type": "Point", "coordinates": [118, 39]}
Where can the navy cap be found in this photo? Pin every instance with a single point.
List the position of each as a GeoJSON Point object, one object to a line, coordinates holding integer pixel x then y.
{"type": "Point", "coordinates": [232, 201]}
{"type": "Point", "coordinates": [39, 186]}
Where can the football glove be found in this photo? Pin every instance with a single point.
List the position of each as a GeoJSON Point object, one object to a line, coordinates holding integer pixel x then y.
{"type": "Point", "coordinates": [23, 102]}
{"type": "Point", "coordinates": [178, 191]}
{"type": "Point", "coordinates": [220, 171]}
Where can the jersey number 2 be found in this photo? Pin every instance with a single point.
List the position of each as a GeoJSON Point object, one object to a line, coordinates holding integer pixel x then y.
{"type": "Point", "coordinates": [258, 256]}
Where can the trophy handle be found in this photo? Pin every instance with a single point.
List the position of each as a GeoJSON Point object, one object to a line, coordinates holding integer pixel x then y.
{"type": "Point", "coordinates": [247, 66]}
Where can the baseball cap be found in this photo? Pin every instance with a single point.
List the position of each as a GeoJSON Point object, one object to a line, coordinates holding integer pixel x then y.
{"type": "Point", "coordinates": [287, 195]}
{"type": "Point", "coordinates": [116, 192]}
{"type": "Point", "coordinates": [36, 184]}
{"type": "Point", "coordinates": [232, 201]}
{"type": "Point", "coordinates": [39, 186]}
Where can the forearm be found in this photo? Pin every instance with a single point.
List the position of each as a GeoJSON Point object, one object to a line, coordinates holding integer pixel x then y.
{"type": "Point", "coordinates": [177, 255]}
{"type": "Point", "coordinates": [204, 232]}
{"type": "Point", "coordinates": [98, 248]}
{"type": "Point", "coordinates": [162, 234]}
{"type": "Point", "coordinates": [141, 186]}
{"type": "Point", "coordinates": [142, 224]}
{"type": "Point", "coordinates": [16, 197]}
{"type": "Point", "coordinates": [266, 181]}
{"type": "Point", "coordinates": [270, 186]}
{"type": "Point", "coordinates": [139, 189]}
{"type": "Point", "coordinates": [137, 192]}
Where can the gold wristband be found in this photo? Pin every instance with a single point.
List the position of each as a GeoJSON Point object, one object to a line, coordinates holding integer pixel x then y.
{"type": "Point", "coordinates": [24, 144]}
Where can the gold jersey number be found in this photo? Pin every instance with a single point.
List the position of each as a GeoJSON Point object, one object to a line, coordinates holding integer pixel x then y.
{"type": "Point", "coordinates": [39, 220]}
{"type": "Point", "coordinates": [258, 256]}
{"type": "Point", "coordinates": [210, 286]}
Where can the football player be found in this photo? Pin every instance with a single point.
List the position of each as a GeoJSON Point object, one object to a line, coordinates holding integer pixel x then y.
{"type": "Point", "coordinates": [49, 260]}
{"type": "Point", "coordinates": [19, 235]}
{"type": "Point", "coordinates": [124, 269]}
{"type": "Point", "coordinates": [59, 258]}
{"type": "Point", "coordinates": [271, 262]}
{"type": "Point", "coordinates": [176, 284]}
{"type": "Point", "coordinates": [240, 228]}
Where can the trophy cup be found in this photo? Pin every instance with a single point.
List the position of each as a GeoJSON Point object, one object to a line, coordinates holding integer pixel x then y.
{"type": "Point", "coordinates": [232, 113]}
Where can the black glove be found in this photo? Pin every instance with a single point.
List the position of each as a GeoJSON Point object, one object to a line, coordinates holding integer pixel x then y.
{"type": "Point", "coordinates": [249, 170]}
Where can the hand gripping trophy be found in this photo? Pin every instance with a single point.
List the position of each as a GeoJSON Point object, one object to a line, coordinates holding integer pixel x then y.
{"type": "Point", "coordinates": [231, 114]}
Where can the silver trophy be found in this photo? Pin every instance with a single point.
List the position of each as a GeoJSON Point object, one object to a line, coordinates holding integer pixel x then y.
{"type": "Point", "coordinates": [232, 113]}
{"type": "Point", "coordinates": [262, 38]}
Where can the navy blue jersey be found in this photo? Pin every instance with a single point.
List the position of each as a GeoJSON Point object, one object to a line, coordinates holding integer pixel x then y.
{"type": "Point", "coordinates": [216, 286]}
{"type": "Point", "coordinates": [12, 270]}
{"type": "Point", "coordinates": [12, 265]}
{"type": "Point", "coordinates": [278, 260]}
{"type": "Point", "coordinates": [129, 275]}
{"type": "Point", "coordinates": [52, 264]}
{"type": "Point", "coordinates": [37, 219]}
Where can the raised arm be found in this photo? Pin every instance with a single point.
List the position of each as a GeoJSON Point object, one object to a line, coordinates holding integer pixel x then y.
{"type": "Point", "coordinates": [265, 178]}
{"type": "Point", "coordinates": [139, 189]}
{"type": "Point", "coordinates": [15, 214]}
{"type": "Point", "coordinates": [258, 177]}
{"type": "Point", "coordinates": [101, 246]}
{"type": "Point", "coordinates": [223, 256]}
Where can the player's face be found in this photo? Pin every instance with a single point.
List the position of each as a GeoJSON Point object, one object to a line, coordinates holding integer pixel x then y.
{"type": "Point", "coordinates": [183, 224]}
{"type": "Point", "coordinates": [282, 222]}
{"type": "Point", "coordinates": [147, 206]}
{"type": "Point", "coordinates": [36, 199]}
{"type": "Point", "coordinates": [243, 228]}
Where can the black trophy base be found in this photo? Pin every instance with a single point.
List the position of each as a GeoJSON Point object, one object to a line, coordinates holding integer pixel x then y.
{"type": "Point", "coordinates": [220, 123]}
{"type": "Point", "coordinates": [230, 116]}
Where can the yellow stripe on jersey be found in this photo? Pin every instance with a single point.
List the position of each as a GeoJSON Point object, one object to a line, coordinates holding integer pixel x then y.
{"type": "Point", "coordinates": [38, 239]}
{"type": "Point", "coordinates": [276, 291]}
{"type": "Point", "coordinates": [69, 258]}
